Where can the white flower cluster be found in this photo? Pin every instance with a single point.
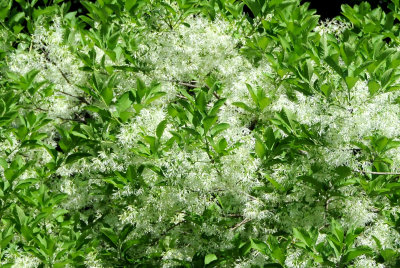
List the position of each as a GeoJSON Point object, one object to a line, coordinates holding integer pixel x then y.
{"type": "Point", "coordinates": [57, 66]}
{"type": "Point", "coordinates": [92, 260]}
{"type": "Point", "coordinates": [18, 258]}
{"type": "Point", "coordinates": [332, 26]}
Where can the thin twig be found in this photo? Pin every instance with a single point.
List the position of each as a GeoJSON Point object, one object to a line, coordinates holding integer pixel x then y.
{"type": "Point", "coordinates": [187, 84]}
{"type": "Point", "coordinates": [217, 96]}
{"type": "Point", "coordinates": [73, 96]}
{"type": "Point", "coordinates": [240, 224]}
{"type": "Point", "coordinates": [166, 232]}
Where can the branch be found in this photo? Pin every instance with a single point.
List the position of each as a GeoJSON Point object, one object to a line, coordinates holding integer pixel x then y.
{"type": "Point", "coordinates": [187, 84]}
{"type": "Point", "coordinates": [240, 224]}
{"type": "Point", "coordinates": [166, 232]}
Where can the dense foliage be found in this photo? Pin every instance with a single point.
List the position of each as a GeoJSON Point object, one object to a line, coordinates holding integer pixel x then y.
{"type": "Point", "coordinates": [213, 133]}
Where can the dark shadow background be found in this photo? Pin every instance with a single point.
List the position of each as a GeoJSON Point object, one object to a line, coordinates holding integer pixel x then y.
{"type": "Point", "coordinates": [329, 9]}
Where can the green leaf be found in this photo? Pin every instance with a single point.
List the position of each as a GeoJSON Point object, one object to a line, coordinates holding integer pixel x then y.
{"type": "Point", "coordinates": [115, 182]}
{"type": "Point", "coordinates": [274, 183]}
{"type": "Point", "coordinates": [78, 134]}
{"type": "Point", "coordinates": [337, 231]}
{"type": "Point", "coordinates": [92, 108]}
{"type": "Point", "coordinates": [355, 252]}
{"type": "Point", "coordinates": [124, 116]}
{"type": "Point", "coordinates": [60, 212]}
{"type": "Point", "coordinates": [387, 78]}
{"type": "Point", "coordinates": [130, 243]}
{"type": "Point", "coordinates": [243, 106]}
{"type": "Point", "coordinates": [208, 122]}
{"type": "Point", "coordinates": [210, 258]}
{"type": "Point", "coordinates": [214, 110]}
{"type": "Point", "coordinates": [335, 245]}
{"type": "Point", "coordinates": [388, 254]}
{"type": "Point", "coordinates": [326, 89]}
{"type": "Point", "coordinates": [373, 87]}
{"type": "Point", "coordinates": [75, 157]}
{"type": "Point", "coordinates": [317, 184]}
{"type": "Point", "coordinates": [269, 138]}
{"type": "Point", "coordinates": [219, 128]}
{"type": "Point", "coordinates": [126, 231]}
{"type": "Point", "coordinates": [107, 95]}
{"type": "Point", "coordinates": [160, 128]}
{"type": "Point", "coordinates": [343, 171]}
{"type": "Point", "coordinates": [22, 218]}
{"type": "Point", "coordinates": [129, 4]}
{"type": "Point", "coordinates": [201, 101]}
{"type": "Point", "coordinates": [351, 81]}
{"type": "Point", "coordinates": [110, 236]}
{"type": "Point", "coordinates": [244, 248]}
{"type": "Point", "coordinates": [61, 264]}
{"type": "Point", "coordinates": [264, 102]}
{"type": "Point", "coordinates": [378, 243]}
{"type": "Point", "coordinates": [323, 48]}
{"type": "Point", "coordinates": [123, 102]}
{"type": "Point", "coordinates": [277, 250]}
{"type": "Point", "coordinates": [222, 144]}
{"type": "Point", "coordinates": [3, 163]}
{"type": "Point", "coordinates": [5, 9]}
{"type": "Point", "coordinates": [335, 66]}
{"type": "Point", "coordinates": [254, 6]}
{"type": "Point", "coordinates": [303, 236]}
{"type": "Point", "coordinates": [252, 93]}
{"type": "Point", "coordinates": [260, 148]}
{"type": "Point", "coordinates": [138, 107]}
{"type": "Point", "coordinates": [286, 121]}
{"type": "Point", "coordinates": [259, 246]}
{"type": "Point", "coordinates": [393, 88]}
{"type": "Point", "coordinates": [5, 241]}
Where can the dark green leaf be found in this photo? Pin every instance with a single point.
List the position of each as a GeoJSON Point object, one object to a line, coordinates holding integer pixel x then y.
{"type": "Point", "coordinates": [75, 157]}
{"type": "Point", "coordinates": [110, 236]}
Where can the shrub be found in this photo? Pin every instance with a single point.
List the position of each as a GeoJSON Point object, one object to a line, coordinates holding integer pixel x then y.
{"type": "Point", "coordinates": [192, 134]}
